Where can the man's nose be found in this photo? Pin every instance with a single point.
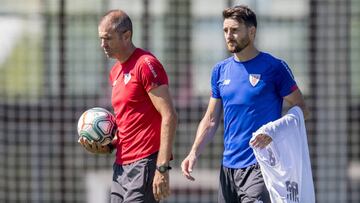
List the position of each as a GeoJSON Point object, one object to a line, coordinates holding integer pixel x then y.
{"type": "Point", "coordinates": [228, 35]}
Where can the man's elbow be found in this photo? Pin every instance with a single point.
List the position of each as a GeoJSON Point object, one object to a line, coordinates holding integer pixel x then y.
{"type": "Point", "coordinates": [174, 118]}
{"type": "Point", "coordinates": [306, 111]}
{"type": "Point", "coordinates": [171, 118]}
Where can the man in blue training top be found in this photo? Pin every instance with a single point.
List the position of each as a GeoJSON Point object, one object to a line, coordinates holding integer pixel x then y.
{"type": "Point", "coordinates": [250, 88]}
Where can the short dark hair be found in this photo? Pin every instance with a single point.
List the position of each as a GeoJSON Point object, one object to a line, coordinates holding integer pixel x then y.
{"type": "Point", "coordinates": [242, 14]}
{"type": "Point", "coordinates": [118, 20]}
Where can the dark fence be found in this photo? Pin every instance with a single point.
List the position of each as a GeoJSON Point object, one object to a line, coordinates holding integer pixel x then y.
{"type": "Point", "coordinates": [52, 69]}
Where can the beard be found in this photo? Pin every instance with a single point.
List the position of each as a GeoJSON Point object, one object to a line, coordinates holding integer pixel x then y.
{"type": "Point", "coordinates": [238, 46]}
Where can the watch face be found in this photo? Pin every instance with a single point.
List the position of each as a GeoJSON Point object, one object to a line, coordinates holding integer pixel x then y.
{"type": "Point", "coordinates": [162, 169]}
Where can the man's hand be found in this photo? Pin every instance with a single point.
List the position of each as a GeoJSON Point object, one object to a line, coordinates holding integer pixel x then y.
{"type": "Point", "coordinates": [161, 188]}
{"type": "Point", "coordinates": [187, 166]}
{"type": "Point", "coordinates": [261, 141]}
{"type": "Point", "coordinates": [94, 147]}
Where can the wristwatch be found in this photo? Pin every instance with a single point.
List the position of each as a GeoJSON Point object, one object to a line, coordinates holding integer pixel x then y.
{"type": "Point", "coordinates": [163, 168]}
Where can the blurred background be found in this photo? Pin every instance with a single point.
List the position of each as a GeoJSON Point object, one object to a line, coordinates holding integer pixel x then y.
{"type": "Point", "coordinates": [52, 69]}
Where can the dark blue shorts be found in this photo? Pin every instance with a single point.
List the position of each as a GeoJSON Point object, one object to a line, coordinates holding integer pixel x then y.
{"type": "Point", "coordinates": [243, 185]}
{"type": "Point", "coordinates": [133, 182]}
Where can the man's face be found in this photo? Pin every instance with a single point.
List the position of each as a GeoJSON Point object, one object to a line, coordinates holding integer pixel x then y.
{"type": "Point", "coordinates": [237, 35]}
{"type": "Point", "coordinates": [111, 42]}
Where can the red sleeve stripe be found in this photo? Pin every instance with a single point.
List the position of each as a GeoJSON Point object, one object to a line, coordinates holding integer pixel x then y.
{"type": "Point", "coordinates": [294, 87]}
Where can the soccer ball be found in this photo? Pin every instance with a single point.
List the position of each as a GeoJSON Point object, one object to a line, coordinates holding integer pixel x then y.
{"type": "Point", "coordinates": [98, 125]}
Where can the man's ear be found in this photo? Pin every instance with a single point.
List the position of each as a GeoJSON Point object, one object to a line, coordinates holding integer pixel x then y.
{"type": "Point", "coordinates": [253, 31]}
{"type": "Point", "coordinates": [127, 35]}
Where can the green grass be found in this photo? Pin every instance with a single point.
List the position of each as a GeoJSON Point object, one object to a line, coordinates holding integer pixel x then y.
{"type": "Point", "coordinates": [21, 75]}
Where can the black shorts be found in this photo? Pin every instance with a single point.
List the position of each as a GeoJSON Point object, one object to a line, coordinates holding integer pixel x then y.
{"type": "Point", "coordinates": [243, 185]}
{"type": "Point", "coordinates": [132, 183]}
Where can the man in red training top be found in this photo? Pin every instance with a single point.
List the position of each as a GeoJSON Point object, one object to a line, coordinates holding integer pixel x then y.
{"type": "Point", "coordinates": [144, 112]}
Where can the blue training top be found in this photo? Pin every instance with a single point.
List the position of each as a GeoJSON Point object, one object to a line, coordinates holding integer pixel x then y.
{"type": "Point", "coordinates": [252, 94]}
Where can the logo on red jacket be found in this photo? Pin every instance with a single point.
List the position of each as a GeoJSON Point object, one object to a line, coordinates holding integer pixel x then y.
{"type": "Point", "coordinates": [127, 78]}
{"type": "Point", "coordinates": [254, 79]}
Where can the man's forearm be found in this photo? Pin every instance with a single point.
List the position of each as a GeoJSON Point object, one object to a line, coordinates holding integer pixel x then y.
{"type": "Point", "coordinates": [168, 129]}
{"type": "Point", "coordinates": [204, 135]}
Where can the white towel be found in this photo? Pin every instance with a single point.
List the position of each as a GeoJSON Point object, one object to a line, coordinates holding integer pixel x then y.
{"type": "Point", "coordinates": [285, 162]}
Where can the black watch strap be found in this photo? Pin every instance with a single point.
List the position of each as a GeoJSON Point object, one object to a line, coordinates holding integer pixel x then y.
{"type": "Point", "coordinates": [163, 168]}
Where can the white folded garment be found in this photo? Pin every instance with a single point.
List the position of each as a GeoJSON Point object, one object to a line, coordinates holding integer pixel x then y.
{"type": "Point", "coordinates": [285, 162]}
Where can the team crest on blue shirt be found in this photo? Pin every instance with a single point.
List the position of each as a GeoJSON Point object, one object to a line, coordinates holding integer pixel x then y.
{"type": "Point", "coordinates": [127, 78]}
{"type": "Point", "coordinates": [254, 79]}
